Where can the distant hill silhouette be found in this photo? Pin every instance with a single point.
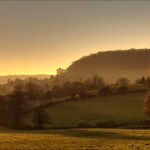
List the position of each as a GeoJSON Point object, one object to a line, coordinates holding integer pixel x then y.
{"type": "Point", "coordinates": [111, 65]}
{"type": "Point", "coordinates": [4, 79]}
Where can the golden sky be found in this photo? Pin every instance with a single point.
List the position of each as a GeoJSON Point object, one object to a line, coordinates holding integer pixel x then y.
{"type": "Point", "coordinates": [38, 37]}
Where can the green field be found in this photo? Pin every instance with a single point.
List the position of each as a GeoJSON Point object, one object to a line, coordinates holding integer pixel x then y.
{"type": "Point", "coordinates": [124, 109]}
{"type": "Point", "coordinates": [86, 139]}
{"type": "Point", "coordinates": [121, 108]}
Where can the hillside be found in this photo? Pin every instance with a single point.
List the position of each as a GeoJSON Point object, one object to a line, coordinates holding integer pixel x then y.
{"type": "Point", "coordinates": [119, 109]}
{"type": "Point", "coordinates": [110, 65]}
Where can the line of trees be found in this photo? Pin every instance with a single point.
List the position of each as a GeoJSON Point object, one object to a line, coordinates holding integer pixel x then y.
{"type": "Point", "coordinates": [29, 95]}
{"type": "Point", "coordinates": [143, 80]}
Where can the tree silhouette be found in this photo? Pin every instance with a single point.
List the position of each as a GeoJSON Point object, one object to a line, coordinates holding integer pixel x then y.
{"type": "Point", "coordinates": [123, 89]}
{"type": "Point", "coordinates": [122, 81]}
{"type": "Point", "coordinates": [40, 117]}
{"type": "Point", "coordinates": [33, 92]}
{"type": "Point", "coordinates": [105, 91]}
{"type": "Point", "coordinates": [56, 91]}
{"type": "Point", "coordinates": [18, 99]}
{"type": "Point", "coordinates": [48, 95]}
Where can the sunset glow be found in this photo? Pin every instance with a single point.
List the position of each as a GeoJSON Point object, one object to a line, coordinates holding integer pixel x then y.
{"type": "Point", "coordinates": [39, 37]}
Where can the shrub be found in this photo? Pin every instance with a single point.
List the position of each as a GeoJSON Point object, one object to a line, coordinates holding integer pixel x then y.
{"type": "Point", "coordinates": [123, 89]}
{"type": "Point", "coordinates": [84, 124]}
{"type": "Point", "coordinates": [105, 91]}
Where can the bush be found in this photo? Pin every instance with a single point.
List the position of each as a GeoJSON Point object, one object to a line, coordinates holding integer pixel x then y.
{"type": "Point", "coordinates": [108, 124]}
{"type": "Point", "coordinates": [143, 122]}
{"type": "Point", "coordinates": [84, 124]}
{"type": "Point", "coordinates": [105, 91]}
{"type": "Point", "coordinates": [123, 89]}
{"type": "Point", "coordinates": [83, 94]}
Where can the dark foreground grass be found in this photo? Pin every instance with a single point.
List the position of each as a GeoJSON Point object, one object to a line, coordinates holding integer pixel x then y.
{"type": "Point", "coordinates": [91, 139]}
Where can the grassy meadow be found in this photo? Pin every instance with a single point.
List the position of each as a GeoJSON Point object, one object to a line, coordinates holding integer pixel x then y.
{"type": "Point", "coordinates": [120, 109]}
{"type": "Point", "coordinates": [124, 109]}
{"type": "Point", "coordinates": [87, 139]}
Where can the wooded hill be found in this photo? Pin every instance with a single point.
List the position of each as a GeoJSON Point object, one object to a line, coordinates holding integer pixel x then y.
{"type": "Point", "coordinates": [111, 65]}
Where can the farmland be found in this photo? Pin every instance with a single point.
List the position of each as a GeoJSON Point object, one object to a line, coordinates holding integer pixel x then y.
{"type": "Point", "coordinates": [120, 108]}
{"type": "Point", "coordinates": [91, 139]}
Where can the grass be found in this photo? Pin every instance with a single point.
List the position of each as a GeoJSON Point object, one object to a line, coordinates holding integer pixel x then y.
{"type": "Point", "coordinates": [121, 108]}
{"type": "Point", "coordinates": [90, 139]}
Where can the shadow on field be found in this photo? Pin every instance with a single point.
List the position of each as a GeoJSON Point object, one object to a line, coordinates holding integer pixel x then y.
{"type": "Point", "coordinates": [98, 134]}
{"type": "Point", "coordinates": [82, 133]}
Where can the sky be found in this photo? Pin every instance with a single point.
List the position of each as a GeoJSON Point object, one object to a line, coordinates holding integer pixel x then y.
{"type": "Point", "coordinates": [37, 37]}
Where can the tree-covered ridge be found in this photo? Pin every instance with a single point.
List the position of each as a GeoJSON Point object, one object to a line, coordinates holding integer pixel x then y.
{"type": "Point", "coordinates": [112, 64]}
